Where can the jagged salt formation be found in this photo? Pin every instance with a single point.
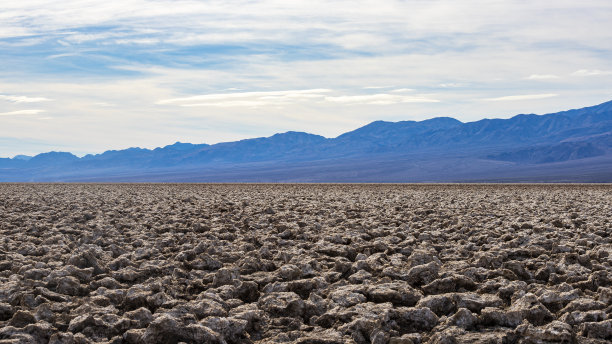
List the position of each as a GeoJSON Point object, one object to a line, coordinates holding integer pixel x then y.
{"type": "Point", "coordinates": [305, 264]}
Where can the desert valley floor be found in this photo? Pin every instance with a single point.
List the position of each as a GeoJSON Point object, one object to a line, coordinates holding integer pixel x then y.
{"type": "Point", "coordinates": [255, 263]}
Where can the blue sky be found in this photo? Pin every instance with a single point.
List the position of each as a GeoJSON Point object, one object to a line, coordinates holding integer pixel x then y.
{"type": "Point", "coordinates": [88, 75]}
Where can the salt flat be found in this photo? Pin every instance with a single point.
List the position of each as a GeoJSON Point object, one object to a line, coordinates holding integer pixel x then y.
{"type": "Point", "coordinates": [305, 263]}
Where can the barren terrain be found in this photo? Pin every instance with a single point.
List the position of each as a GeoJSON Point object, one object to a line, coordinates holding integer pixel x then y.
{"type": "Point", "coordinates": [305, 263]}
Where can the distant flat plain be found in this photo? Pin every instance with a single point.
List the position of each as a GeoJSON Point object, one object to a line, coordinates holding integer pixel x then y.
{"type": "Point", "coordinates": [305, 263]}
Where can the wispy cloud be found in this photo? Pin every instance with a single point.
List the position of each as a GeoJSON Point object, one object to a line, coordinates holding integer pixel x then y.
{"type": "Point", "coordinates": [377, 87]}
{"type": "Point", "coordinates": [104, 104]}
{"type": "Point", "coordinates": [542, 77]}
{"type": "Point", "coordinates": [22, 112]}
{"type": "Point", "coordinates": [275, 98]}
{"type": "Point", "coordinates": [57, 56]}
{"type": "Point", "coordinates": [379, 99]}
{"type": "Point", "coordinates": [591, 72]}
{"type": "Point", "coordinates": [451, 85]}
{"type": "Point", "coordinates": [23, 99]}
{"type": "Point", "coordinates": [523, 97]}
{"type": "Point", "coordinates": [248, 99]}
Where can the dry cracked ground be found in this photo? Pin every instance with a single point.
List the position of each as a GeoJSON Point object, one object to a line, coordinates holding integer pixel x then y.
{"type": "Point", "coordinates": [305, 263]}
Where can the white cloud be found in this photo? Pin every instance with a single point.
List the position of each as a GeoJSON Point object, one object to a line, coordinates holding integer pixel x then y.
{"type": "Point", "coordinates": [248, 99]}
{"type": "Point", "coordinates": [379, 99]}
{"type": "Point", "coordinates": [57, 56]}
{"type": "Point", "coordinates": [21, 112]}
{"type": "Point", "coordinates": [104, 104]}
{"type": "Point", "coordinates": [275, 98]}
{"type": "Point", "coordinates": [591, 72]}
{"type": "Point", "coordinates": [138, 41]}
{"type": "Point", "coordinates": [542, 77]}
{"type": "Point", "coordinates": [23, 99]}
{"type": "Point", "coordinates": [376, 87]}
{"type": "Point", "coordinates": [523, 97]}
{"type": "Point", "coordinates": [364, 25]}
{"type": "Point", "coordinates": [451, 85]}
{"type": "Point", "coordinates": [234, 103]}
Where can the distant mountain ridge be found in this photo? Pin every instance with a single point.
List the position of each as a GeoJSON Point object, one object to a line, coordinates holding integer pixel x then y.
{"type": "Point", "coordinates": [573, 145]}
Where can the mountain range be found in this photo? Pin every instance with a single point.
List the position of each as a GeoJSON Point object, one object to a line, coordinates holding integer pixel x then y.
{"type": "Point", "coordinates": [568, 146]}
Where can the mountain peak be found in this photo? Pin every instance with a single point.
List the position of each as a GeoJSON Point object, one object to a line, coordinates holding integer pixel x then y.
{"type": "Point", "coordinates": [53, 158]}
{"type": "Point", "coordinates": [596, 109]}
{"type": "Point", "coordinates": [180, 146]}
{"type": "Point", "coordinates": [445, 120]}
{"type": "Point", "coordinates": [386, 129]}
{"type": "Point", "coordinates": [296, 136]}
{"type": "Point", "coordinates": [22, 157]}
{"type": "Point", "coordinates": [603, 107]}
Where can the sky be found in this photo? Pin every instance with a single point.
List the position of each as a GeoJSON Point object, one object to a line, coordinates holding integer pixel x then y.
{"type": "Point", "coordinates": [87, 76]}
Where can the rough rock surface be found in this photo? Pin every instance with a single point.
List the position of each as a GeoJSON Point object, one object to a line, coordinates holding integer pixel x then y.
{"type": "Point", "coordinates": [305, 264]}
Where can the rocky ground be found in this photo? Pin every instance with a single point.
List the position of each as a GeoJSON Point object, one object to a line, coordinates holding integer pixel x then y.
{"type": "Point", "coordinates": [305, 264]}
